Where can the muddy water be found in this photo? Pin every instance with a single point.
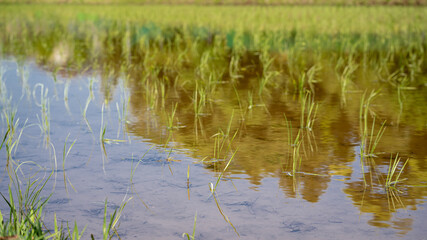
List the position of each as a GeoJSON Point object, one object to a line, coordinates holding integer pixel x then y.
{"type": "Point", "coordinates": [145, 159]}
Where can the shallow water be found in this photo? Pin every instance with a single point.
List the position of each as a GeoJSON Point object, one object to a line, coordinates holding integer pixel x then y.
{"type": "Point", "coordinates": [259, 193]}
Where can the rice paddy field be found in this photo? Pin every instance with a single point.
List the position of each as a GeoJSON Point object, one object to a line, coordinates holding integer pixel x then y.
{"type": "Point", "coordinates": [213, 122]}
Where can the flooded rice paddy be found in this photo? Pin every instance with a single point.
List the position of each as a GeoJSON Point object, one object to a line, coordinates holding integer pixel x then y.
{"type": "Point", "coordinates": [256, 144]}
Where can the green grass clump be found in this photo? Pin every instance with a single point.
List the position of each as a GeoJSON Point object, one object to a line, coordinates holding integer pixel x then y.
{"type": "Point", "coordinates": [25, 218]}
{"type": "Point", "coordinates": [393, 174]}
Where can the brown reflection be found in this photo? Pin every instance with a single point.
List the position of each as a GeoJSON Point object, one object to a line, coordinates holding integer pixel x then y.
{"type": "Point", "coordinates": [262, 140]}
{"type": "Point", "coordinates": [381, 202]}
{"type": "Point", "coordinates": [403, 224]}
{"type": "Point", "coordinates": [264, 149]}
{"type": "Point", "coordinates": [308, 187]}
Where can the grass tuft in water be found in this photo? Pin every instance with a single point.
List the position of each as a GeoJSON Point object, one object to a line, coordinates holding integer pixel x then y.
{"type": "Point", "coordinates": [393, 174]}
{"type": "Point", "coordinates": [369, 139]}
{"type": "Point", "coordinates": [109, 229]}
{"type": "Point", "coordinates": [393, 178]}
{"type": "Point", "coordinates": [25, 207]}
{"type": "Point", "coordinates": [192, 236]}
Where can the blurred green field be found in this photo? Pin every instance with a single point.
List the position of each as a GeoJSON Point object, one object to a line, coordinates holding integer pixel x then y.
{"type": "Point", "coordinates": [305, 20]}
{"type": "Point", "coordinates": [389, 41]}
{"type": "Point", "coordinates": [233, 2]}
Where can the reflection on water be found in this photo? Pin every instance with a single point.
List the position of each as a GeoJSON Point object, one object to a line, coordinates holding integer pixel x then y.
{"type": "Point", "coordinates": [263, 147]}
{"type": "Point", "coordinates": [261, 141]}
{"type": "Point", "coordinates": [206, 121]}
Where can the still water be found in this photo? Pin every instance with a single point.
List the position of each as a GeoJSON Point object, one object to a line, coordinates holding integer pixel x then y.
{"type": "Point", "coordinates": [152, 143]}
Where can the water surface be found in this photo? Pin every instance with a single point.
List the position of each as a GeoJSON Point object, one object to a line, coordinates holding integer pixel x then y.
{"type": "Point", "coordinates": [259, 193]}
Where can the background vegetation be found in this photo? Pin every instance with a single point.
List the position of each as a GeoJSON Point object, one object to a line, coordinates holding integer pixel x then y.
{"type": "Point", "coordinates": [233, 2]}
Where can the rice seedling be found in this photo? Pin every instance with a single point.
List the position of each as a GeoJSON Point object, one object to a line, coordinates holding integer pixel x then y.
{"type": "Point", "coordinates": [171, 118]}
{"type": "Point", "coordinates": [400, 99]}
{"type": "Point", "coordinates": [188, 176]}
{"type": "Point", "coordinates": [188, 182]}
{"type": "Point", "coordinates": [133, 170]}
{"type": "Point", "coordinates": [199, 100]}
{"type": "Point", "coordinates": [217, 202]}
{"type": "Point", "coordinates": [307, 79]}
{"type": "Point", "coordinates": [192, 236]}
{"type": "Point", "coordinates": [198, 127]}
{"type": "Point", "coordinates": [213, 189]}
{"type": "Point", "coordinates": [4, 139]}
{"type": "Point", "coordinates": [308, 111]}
{"type": "Point", "coordinates": [151, 94]}
{"type": "Point", "coordinates": [345, 76]}
{"type": "Point", "coordinates": [393, 178]}
{"type": "Point", "coordinates": [88, 100]}
{"type": "Point", "coordinates": [163, 94]}
{"type": "Point", "coordinates": [44, 119]}
{"type": "Point", "coordinates": [308, 117]}
{"type": "Point", "coordinates": [102, 138]}
{"type": "Point", "coordinates": [25, 207]}
{"type": "Point", "coordinates": [226, 218]}
{"type": "Point", "coordinates": [64, 157]}
{"type": "Point", "coordinates": [222, 139]}
{"type": "Point", "coordinates": [103, 127]}
{"type": "Point", "coordinates": [26, 213]}
{"type": "Point", "coordinates": [110, 229]}
{"type": "Point", "coordinates": [294, 155]}
{"type": "Point", "coordinates": [267, 73]}
{"type": "Point", "coordinates": [73, 233]}
{"type": "Point", "coordinates": [369, 140]}
{"type": "Point", "coordinates": [374, 139]}
{"type": "Point", "coordinates": [393, 175]}
{"type": "Point", "coordinates": [28, 227]}
{"type": "Point", "coordinates": [11, 138]}
{"type": "Point", "coordinates": [9, 115]}
{"type": "Point", "coordinates": [234, 67]}
{"type": "Point", "coordinates": [311, 77]}
{"type": "Point", "coordinates": [170, 128]}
